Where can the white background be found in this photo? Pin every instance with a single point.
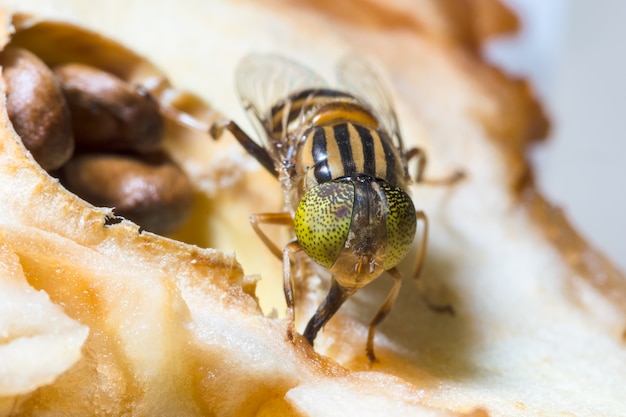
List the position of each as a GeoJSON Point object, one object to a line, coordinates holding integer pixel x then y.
{"type": "Point", "coordinates": [575, 53]}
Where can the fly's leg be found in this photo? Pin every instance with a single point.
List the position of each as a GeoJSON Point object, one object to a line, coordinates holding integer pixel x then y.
{"type": "Point", "coordinates": [421, 255]}
{"type": "Point", "coordinates": [335, 298]}
{"type": "Point", "coordinates": [288, 285]}
{"type": "Point", "coordinates": [383, 312]}
{"type": "Point", "coordinates": [285, 255]}
{"type": "Point", "coordinates": [420, 155]}
{"type": "Point", "coordinates": [282, 219]}
{"type": "Point", "coordinates": [421, 162]}
{"type": "Point", "coordinates": [253, 148]}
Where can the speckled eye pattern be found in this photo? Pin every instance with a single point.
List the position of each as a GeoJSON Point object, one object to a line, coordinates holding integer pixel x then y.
{"type": "Point", "coordinates": [400, 221]}
{"type": "Point", "coordinates": [324, 217]}
{"type": "Point", "coordinates": [322, 220]}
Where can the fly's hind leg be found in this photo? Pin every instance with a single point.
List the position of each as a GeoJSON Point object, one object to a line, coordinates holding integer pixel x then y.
{"type": "Point", "coordinates": [383, 311]}
{"type": "Point", "coordinates": [253, 148]}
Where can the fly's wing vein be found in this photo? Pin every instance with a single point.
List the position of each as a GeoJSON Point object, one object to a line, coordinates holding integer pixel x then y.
{"type": "Point", "coordinates": [358, 77]}
{"type": "Point", "coordinates": [264, 83]}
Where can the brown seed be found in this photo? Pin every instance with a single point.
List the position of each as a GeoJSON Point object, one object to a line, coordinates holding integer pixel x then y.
{"type": "Point", "coordinates": [37, 108]}
{"type": "Point", "coordinates": [107, 112]}
{"type": "Point", "coordinates": [150, 190]}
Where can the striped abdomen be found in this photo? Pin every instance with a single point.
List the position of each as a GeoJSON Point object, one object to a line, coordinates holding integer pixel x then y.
{"type": "Point", "coordinates": [347, 147]}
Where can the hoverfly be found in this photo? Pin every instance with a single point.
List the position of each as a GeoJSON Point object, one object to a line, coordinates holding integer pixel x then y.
{"type": "Point", "coordinates": [339, 157]}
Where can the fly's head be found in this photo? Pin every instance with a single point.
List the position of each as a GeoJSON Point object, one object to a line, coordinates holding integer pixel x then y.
{"type": "Point", "coordinates": [355, 227]}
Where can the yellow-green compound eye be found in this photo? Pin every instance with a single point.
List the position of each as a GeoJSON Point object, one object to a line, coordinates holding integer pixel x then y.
{"type": "Point", "coordinates": [322, 220]}
{"type": "Point", "coordinates": [400, 221]}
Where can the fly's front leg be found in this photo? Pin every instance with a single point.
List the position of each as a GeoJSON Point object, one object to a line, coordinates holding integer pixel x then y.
{"type": "Point", "coordinates": [335, 298]}
{"type": "Point", "coordinates": [253, 148]}
{"type": "Point", "coordinates": [383, 312]}
{"type": "Point", "coordinates": [290, 249]}
{"type": "Point", "coordinates": [421, 160]}
{"type": "Point", "coordinates": [288, 285]}
{"type": "Point", "coordinates": [281, 219]}
{"type": "Point", "coordinates": [421, 256]}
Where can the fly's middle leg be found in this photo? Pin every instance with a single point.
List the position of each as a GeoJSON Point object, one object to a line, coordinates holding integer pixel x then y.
{"type": "Point", "coordinates": [281, 219]}
{"type": "Point", "coordinates": [421, 160]}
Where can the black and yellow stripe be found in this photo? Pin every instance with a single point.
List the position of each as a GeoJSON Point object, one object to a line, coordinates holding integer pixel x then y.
{"type": "Point", "coordinates": [300, 106]}
{"type": "Point", "coordinates": [340, 137]}
{"type": "Point", "coordinates": [347, 150]}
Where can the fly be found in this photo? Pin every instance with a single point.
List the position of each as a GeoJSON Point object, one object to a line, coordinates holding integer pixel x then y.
{"type": "Point", "coordinates": [343, 168]}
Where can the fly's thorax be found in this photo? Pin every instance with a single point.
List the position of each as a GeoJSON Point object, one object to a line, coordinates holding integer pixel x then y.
{"type": "Point", "coordinates": [297, 110]}
{"type": "Point", "coordinates": [347, 148]}
{"type": "Point", "coordinates": [356, 227]}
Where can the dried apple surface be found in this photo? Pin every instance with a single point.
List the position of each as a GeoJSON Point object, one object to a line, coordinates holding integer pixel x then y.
{"type": "Point", "coordinates": [175, 330]}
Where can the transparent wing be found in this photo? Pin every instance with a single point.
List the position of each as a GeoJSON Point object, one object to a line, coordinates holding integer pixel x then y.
{"type": "Point", "coordinates": [264, 80]}
{"type": "Point", "coordinates": [359, 79]}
